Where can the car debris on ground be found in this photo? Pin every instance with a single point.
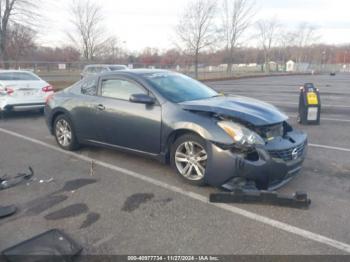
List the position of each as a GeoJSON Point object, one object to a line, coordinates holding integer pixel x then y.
{"type": "Point", "coordinates": [6, 211]}
{"type": "Point", "coordinates": [298, 200]}
{"type": "Point", "coordinates": [7, 182]}
{"type": "Point", "coordinates": [52, 245]}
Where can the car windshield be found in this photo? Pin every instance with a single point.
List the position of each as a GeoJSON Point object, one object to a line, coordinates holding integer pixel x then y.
{"type": "Point", "coordinates": [17, 76]}
{"type": "Point", "coordinates": [179, 88]}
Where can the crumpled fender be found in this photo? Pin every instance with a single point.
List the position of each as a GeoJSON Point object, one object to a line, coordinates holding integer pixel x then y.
{"type": "Point", "coordinates": [204, 125]}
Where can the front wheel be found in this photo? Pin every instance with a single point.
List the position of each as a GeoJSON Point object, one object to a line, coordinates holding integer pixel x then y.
{"type": "Point", "coordinates": [64, 133]}
{"type": "Point", "coordinates": [189, 158]}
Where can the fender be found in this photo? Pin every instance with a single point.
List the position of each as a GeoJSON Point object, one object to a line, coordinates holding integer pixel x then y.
{"type": "Point", "coordinates": [54, 113]}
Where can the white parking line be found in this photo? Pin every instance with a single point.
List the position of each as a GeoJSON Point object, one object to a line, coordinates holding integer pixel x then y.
{"type": "Point", "coordinates": [230, 208]}
{"type": "Point", "coordinates": [291, 103]}
{"type": "Point", "coordinates": [335, 119]}
{"type": "Point", "coordinates": [330, 147]}
{"type": "Point", "coordinates": [327, 119]}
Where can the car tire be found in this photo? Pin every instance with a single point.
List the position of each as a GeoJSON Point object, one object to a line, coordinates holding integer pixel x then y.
{"type": "Point", "coordinates": [64, 133]}
{"type": "Point", "coordinates": [188, 157]}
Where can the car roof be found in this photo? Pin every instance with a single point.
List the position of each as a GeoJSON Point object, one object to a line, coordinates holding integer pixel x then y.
{"type": "Point", "coordinates": [136, 72]}
{"type": "Point", "coordinates": [95, 65]}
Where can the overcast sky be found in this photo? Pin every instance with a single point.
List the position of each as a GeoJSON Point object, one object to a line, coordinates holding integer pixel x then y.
{"type": "Point", "coordinates": [142, 23]}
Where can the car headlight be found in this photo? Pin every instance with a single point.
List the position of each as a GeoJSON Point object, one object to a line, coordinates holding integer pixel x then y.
{"type": "Point", "coordinates": [241, 134]}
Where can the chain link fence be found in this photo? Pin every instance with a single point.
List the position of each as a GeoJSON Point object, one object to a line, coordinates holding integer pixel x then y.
{"type": "Point", "coordinates": [65, 73]}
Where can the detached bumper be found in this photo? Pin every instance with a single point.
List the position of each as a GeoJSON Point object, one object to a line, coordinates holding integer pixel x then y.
{"type": "Point", "coordinates": [270, 166]}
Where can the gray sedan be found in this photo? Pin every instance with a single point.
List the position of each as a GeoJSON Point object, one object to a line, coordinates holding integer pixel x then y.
{"type": "Point", "coordinates": [207, 137]}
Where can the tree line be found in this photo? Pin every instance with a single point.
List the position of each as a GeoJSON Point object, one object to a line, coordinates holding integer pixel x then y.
{"type": "Point", "coordinates": [208, 32]}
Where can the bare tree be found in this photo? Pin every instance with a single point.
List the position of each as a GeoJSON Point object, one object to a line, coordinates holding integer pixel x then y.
{"type": "Point", "coordinates": [14, 11]}
{"type": "Point", "coordinates": [284, 42]}
{"type": "Point", "coordinates": [88, 30]}
{"type": "Point", "coordinates": [20, 42]}
{"type": "Point", "coordinates": [267, 36]}
{"type": "Point", "coordinates": [304, 36]}
{"type": "Point", "coordinates": [111, 50]}
{"type": "Point", "coordinates": [237, 18]}
{"type": "Point", "coordinates": [196, 29]}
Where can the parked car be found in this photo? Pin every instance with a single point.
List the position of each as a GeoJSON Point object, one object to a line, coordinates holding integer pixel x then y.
{"type": "Point", "coordinates": [22, 90]}
{"type": "Point", "coordinates": [91, 70]}
{"type": "Point", "coordinates": [208, 138]}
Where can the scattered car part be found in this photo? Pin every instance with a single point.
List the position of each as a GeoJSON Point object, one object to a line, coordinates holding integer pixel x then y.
{"type": "Point", "coordinates": [6, 182]}
{"type": "Point", "coordinates": [298, 200]}
{"type": "Point", "coordinates": [309, 105]}
{"type": "Point", "coordinates": [52, 245]}
{"type": "Point", "coordinates": [6, 211]}
{"type": "Point", "coordinates": [41, 181]}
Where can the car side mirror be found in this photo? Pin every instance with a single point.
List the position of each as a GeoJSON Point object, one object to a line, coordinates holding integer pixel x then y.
{"type": "Point", "coordinates": [142, 99]}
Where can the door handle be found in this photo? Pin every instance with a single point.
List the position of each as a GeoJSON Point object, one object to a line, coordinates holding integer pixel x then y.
{"type": "Point", "coordinates": [101, 107]}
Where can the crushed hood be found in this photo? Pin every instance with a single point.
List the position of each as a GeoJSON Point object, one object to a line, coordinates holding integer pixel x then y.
{"type": "Point", "coordinates": [250, 110]}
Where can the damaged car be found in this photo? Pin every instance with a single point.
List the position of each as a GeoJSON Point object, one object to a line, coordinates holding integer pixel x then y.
{"type": "Point", "coordinates": [207, 137]}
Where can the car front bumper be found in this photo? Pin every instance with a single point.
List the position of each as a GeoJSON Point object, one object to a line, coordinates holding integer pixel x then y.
{"type": "Point", "coordinates": [272, 166]}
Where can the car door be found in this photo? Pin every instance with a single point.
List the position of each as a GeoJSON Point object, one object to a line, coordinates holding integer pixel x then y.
{"type": "Point", "coordinates": [84, 108]}
{"type": "Point", "coordinates": [126, 124]}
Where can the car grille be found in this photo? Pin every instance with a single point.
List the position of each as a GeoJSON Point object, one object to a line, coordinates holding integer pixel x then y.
{"type": "Point", "coordinates": [287, 154]}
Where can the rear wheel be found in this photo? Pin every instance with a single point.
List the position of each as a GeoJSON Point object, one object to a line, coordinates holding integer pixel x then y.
{"type": "Point", "coordinates": [189, 158]}
{"type": "Point", "coordinates": [64, 133]}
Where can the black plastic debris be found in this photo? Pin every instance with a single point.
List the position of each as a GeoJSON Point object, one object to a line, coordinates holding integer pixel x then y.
{"type": "Point", "coordinates": [7, 182]}
{"type": "Point", "coordinates": [53, 245]}
{"type": "Point", "coordinates": [298, 200]}
{"type": "Point", "coordinates": [6, 211]}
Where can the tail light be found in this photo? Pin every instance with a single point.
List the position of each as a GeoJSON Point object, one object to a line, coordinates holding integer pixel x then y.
{"type": "Point", "coordinates": [47, 89]}
{"type": "Point", "coordinates": [9, 90]}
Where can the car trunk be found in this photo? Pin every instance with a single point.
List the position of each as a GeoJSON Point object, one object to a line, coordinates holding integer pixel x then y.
{"type": "Point", "coordinates": [26, 90]}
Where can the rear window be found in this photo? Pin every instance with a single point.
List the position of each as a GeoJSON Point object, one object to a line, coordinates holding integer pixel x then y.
{"type": "Point", "coordinates": [17, 76]}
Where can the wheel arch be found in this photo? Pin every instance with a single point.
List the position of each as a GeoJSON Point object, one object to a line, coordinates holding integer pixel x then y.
{"type": "Point", "coordinates": [175, 134]}
{"type": "Point", "coordinates": [56, 113]}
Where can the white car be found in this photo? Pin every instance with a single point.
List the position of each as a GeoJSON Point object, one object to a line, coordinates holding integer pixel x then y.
{"type": "Point", "coordinates": [22, 90]}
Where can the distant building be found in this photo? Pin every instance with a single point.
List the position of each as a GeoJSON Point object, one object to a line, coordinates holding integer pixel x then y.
{"type": "Point", "coordinates": [291, 66]}
{"type": "Point", "coordinates": [273, 66]}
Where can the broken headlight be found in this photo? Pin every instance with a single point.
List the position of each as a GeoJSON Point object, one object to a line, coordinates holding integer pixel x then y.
{"type": "Point", "coordinates": [240, 134]}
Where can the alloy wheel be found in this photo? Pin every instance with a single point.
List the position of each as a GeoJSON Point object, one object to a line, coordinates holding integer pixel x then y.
{"type": "Point", "coordinates": [191, 160]}
{"type": "Point", "coordinates": [63, 133]}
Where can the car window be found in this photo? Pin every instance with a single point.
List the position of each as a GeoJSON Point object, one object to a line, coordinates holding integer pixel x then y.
{"type": "Point", "coordinates": [17, 76]}
{"type": "Point", "coordinates": [90, 70]}
{"type": "Point", "coordinates": [117, 67]}
{"type": "Point", "coordinates": [89, 86]}
{"type": "Point", "coordinates": [120, 89]}
{"type": "Point", "coordinates": [98, 69]}
{"type": "Point", "coordinates": [103, 69]}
